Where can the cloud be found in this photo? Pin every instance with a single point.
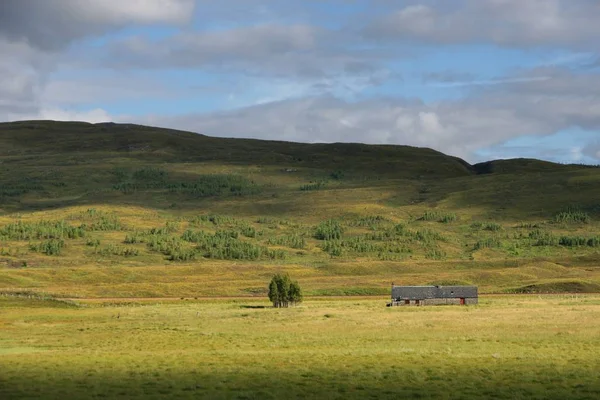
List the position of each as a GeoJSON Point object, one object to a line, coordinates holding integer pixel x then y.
{"type": "Point", "coordinates": [592, 150]}
{"type": "Point", "coordinates": [35, 33]}
{"type": "Point", "coordinates": [489, 116]}
{"type": "Point", "coordinates": [53, 24]}
{"type": "Point", "coordinates": [275, 50]}
{"type": "Point", "coordinates": [515, 23]}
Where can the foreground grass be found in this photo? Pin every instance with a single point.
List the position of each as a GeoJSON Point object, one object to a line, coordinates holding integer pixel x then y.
{"type": "Point", "coordinates": [507, 347]}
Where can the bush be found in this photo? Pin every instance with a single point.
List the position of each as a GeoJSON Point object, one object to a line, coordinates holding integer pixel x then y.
{"type": "Point", "coordinates": [573, 241]}
{"type": "Point", "coordinates": [332, 247]}
{"type": "Point", "coordinates": [488, 243]}
{"type": "Point", "coordinates": [594, 242]}
{"type": "Point", "coordinates": [337, 175]}
{"type": "Point", "coordinates": [214, 219]}
{"type": "Point", "coordinates": [41, 230]}
{"type": "Point", "coordinates": [313, 186]}
{"type": "Point", "coordinates": [204, 186]}
{"type": "Point", "coordinates": [438, 217]}
{"type": "Point", "coordinates": [292, 241]}
{"type": "Point", "coordinates": [426, 236]}
{"type": "Point", "coordinates": [572, 217]}
{"type": "Point", "coordinates": [133, 238]}
{"type": "Point", "coordinates": [486, 226]}
{"type": "Point", "coordinates": [368, 221]}
{"type": "Point", "coordinates": [52, 247]}
{"type": "Point", "coordinates": [447, 218]}
{"type": "Point", "coordinates": [329, 230]}
{"type": "Point", "coordinates": [217, 185]}
{"type": "Point", "coordinates": [543, 238]}
{"type": "Point", "coordinates": [224, 245]}
{"type": "Point", "coordinates": [360, 245]}
{"type": "Point", "coordinates": [435, 254]}
{"type": "Point", "coordinates": [93, 243]}
{"type": "Point", "coordinates": [248, 231]}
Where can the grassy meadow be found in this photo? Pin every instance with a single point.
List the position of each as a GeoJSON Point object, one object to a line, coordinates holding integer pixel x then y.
{"type": "Point", "coordinates": [508, 347]}
{"type": "Point", "coordinates": [134, 263]}
{"type": "Point", "coordinates": [111, 210]}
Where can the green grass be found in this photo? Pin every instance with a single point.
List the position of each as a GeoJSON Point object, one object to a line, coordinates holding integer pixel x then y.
{"type": "Point", "coordinates": [108, 214]}
{"type": "Point", "coordinates": [535, 347]}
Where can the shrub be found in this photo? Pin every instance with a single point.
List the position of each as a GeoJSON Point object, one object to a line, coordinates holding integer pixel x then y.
{"type": "Point", "coordinates": [572, 217]}
{"type": "Point", "coordinates": [226, 234]}
{"type": "Point", "coordinates": [438, 217]}
{"type": "Point", "coordinates": [329, 230]}
{"type": "Point", "coordinates": [447, 218]}
{"type": "Point", "coordinates": [360, 245]}
{"type": "Point", "coordinates": [528, 225]}
{"type": "Point", "coordinates": [332, 247]}
{"type": "Point", "coordinates": [337, 175]}
{"type": "Point", "coordinates": [435, 254]}
{"type": "Point", "coordinates": [292, 241]}
{"type": "Point", "coordinates": [150, 175]}
{"type": "Point", "coordinates": [52, 247]}
{"type": "Point", "coordinates": [93, 243]}
{"type": "Point", "coordinates": [224, 245]}
{"type": "Point", "coordinates": [543, 238]}
{"type": "Point", "coordinates": [427, 236]}
{"type": "Point", "coordinates": [313, 186]}
{"type": "Point", "coordinates": [488, 243]}
{"type": "Point", "coordinates": [133, 238]}
{"type": "Point", "coordinates": [486, 226]}
{"type": "Point", "coordinates": [214, 219]}
{"type": "Point", "coordinates": [573, 241]}
{"type": "Point", "coordinates": [41, 230]}
{"type": "Point", "coordinates": [248, 231]}
{"type": "Point", "coordinates": [368, 221]}
{"type": "Point", "coordinates": [216, 185]}
{"type": "Point", "coordinates": [266, 220]}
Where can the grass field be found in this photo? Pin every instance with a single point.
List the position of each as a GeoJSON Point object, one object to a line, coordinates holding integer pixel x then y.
{"type": "Point", "coordinates": [508, 347]}
{"type": "Point", "coordinates": [111, 210]}
{"type": "Point", "coordinates": [93, 218]}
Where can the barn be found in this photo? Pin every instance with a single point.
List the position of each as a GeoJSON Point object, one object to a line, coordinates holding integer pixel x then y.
{"type": "Point", "coordinates": [433, 295]}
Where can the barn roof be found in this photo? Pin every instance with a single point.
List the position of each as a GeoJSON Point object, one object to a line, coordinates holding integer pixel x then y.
{"type": "Point", "coordinates": [433, 292]}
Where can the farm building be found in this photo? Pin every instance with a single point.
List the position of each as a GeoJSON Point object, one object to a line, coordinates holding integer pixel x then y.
{"type": "Point", "coordinates": [433, 295]}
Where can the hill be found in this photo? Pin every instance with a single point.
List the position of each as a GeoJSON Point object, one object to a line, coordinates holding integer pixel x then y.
{"type": "Point", "coordinates": [128, 210]}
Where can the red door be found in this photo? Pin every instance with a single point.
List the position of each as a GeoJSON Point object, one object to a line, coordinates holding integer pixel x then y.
{"type": "Point", "coordinates": [462, 301]}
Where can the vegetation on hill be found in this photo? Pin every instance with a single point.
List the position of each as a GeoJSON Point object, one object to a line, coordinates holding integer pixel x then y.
{"type": "Point", "coordinates": [84, 207]}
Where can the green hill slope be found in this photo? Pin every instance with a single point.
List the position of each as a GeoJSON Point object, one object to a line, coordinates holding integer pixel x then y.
{"type": "Point", "coordinates": [127, 210]}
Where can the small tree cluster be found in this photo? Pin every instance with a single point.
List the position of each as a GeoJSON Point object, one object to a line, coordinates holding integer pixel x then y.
{"type": "Point", "coordinates": [284, 292]}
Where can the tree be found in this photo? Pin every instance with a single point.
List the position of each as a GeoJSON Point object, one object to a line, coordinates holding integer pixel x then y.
{"type": "Point", "coordinates": [295, 294]}
{"type": "Point", "coordinates": [274, 292]}
{"type": "Point", "coordinates": [283, 292]}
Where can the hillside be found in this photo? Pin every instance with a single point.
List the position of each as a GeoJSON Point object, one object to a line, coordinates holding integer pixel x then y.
{"type": "Point", "coordinates": [128, 210]}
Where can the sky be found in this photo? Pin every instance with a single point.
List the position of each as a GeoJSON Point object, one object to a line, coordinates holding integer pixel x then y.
{"type": "Point", "coordinates": [477, 79]}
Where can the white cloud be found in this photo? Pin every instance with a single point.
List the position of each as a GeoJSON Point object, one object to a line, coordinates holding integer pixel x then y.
{"type": "Point", "coordinates": [34, 32]}
{"type": "Point", "coordinates": [488, 117]}
{"type": "Point", "coordinates": [555, 23]}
